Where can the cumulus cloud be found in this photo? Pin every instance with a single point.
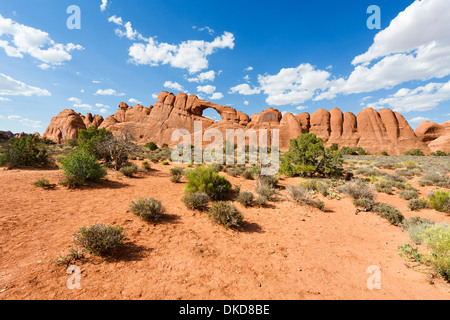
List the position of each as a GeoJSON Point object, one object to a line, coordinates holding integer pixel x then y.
{"type": "Point", "coordinates": [74, 100]}
{"type": "Point", "coordinates": [423, 98]}
{"type": "Point", "coordinates": [205, 28]}
{"type": "Point", "coordinates": [132, 100]}
{"type": "Point", "coordinates": [204, 76]}
{"type": "Point", "coordinates": [25, 121]}
{"type": "Point", "coordinates": [418, 120]}
{"type": "Point", "coordinates": [103, 5]}
{"type": "Point", "coordinates": [244, 89]}
{"type": "Point", "coordinates": [12, 87]}
{"type": "Point", "coordinates": [109, 92]}
{"type": "Point", "coordinates": [173, 85]}
{"type": "Point", "coordinates": [206, 89]}
{"type": "Point", "coordinates": [216, 96]}
{"type": "Point", "coordinates": [19, 40]}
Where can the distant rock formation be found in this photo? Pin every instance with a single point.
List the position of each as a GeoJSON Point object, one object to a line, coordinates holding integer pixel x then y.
{"type": "Point", "coordinates": [436, 136]}
{"type": "Point", "coordinates": [374, 131]}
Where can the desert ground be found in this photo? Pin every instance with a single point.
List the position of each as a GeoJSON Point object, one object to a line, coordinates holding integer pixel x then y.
{"type": "Point", "coordinates": [283, 251]}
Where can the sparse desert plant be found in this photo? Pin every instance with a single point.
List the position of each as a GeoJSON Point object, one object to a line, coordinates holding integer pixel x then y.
{"type": "Point", "coordinates": [358, 190]}
{"type": "Point", "coordinates": [202, 179]}
{"type": "Point", "coordinates": [226, 214]}
{"type": "Point", "coordinates": [196, 201]}
{"type": "Point", "coordinates": [364, 203]}
{"type": "Point", "coordinates": [384, 186]}
{"type": "Point", "coordinates": [415, 152]}
{"type": "Point", "coordinates": [44, 183]}
{"type": "Point", "coordinates": [100, 239]}
{"type": "Point", "coordinates": [148, 209]}
{"type": "Point", "coordinates": [440, 200]}
{"type": "Point", "coordinates": [73, 255]}
{"type": "Point", "coordinates": [217, 167]}
{"type": "Point", "coordinates": [301, 195]}
{"type": "Point", "coordinates": [409, 252]}
{"type": "Point", "coordinates": [165, 162]}
{"type": "Point", "coordinates": [245, 198]}
{"type": "Point", "coordinates": [437, 238]}
{"type": "Point", "coordinates": [417, 204]}
{"type": "Point", "coordinates": [176, 171]}
{"type": "Point", "coordinates": [151, 146]}
{"type": "Point", "coordinates": [435, 179]}
{"type": "Point", "coordinates": [80, 166]}
{"type": "Point", "coordinates": [393, 215]}
{"type": "Point", "coordinates": [129, 170]}
{"type": "Point", "coordinates": [237, 187]}
{"type": "Point", "coordinates": [261, 201]}
{"type": "Point", "coordinates": [408, 194]}
{"type": "Point", "coordinates": [415, 226]}
{"type": "Point", "coordinates": [146, 165]}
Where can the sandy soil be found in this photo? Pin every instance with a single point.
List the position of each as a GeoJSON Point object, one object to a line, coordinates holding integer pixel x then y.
{"type": "Point", "coordinates": [283, 252]}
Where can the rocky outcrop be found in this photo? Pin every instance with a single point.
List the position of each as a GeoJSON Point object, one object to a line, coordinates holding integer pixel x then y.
{"type": "Point", "coordinates": [374, 131]}
{"type": "Point", "coordinates": [436, 136]}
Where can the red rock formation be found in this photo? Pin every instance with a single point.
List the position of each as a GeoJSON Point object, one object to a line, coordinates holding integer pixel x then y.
{"type": "Point", "coordinates": [436, 136]}
{"type": "Point", "coordinates": [372, 130]}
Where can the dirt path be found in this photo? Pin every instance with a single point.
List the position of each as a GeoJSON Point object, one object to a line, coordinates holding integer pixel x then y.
{"type": "Point", "coordinates": [284, 252]}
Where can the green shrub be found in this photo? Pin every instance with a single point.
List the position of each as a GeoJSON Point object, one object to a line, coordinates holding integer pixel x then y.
{"type": "Point", "coordinates": [148, 209]}
{"type": "Point", "coordinates": [151, 146]}
{"type": "Point", "coordinates": [43, 183]}
{"type": "Point", "coordinates": [440, 200]}
{"type": "Point", "coordinates": [100, 239]}
{"type": "Point", "coordinates": [409, 252]}
{"type": "Point", "coordinates": [261, 201]}
{"type": "Point", "coordinates": [249, 173]}
{"type": "Point", "coordinates": [416, 204]}
{"type": "Point", "coordinates": [146, 165]}
{"type": "Point", "coordinates": [245, 198]}
{"type": "Point", "coordinates": [409, 194]}
{"type": "Point", "coordinates": [80, 166]}
{"type": "Point", "coordinates": [226, 214]}
{"type": "Point", "coordinates": [393, 215]}
{"type": "Point", "coordinates": [416, 152]}
{"type": "Point", "coordinates": [217, 167]}
{"type": "Point", "coordinates": [176, 171]}
{"type": "Point", "coordinates": [129, 170]}
{"type": "Point", "coordinates": [202, 179]}
{"type": "Point", "coordinates": [165, 162]}
{"type": "Point", "coordinates": [384, 186]}
{"type": "Point", "coordinates": [415, 226]}
{"type": "Point", "coordinates": [384, 153]}
{"type": "Point", "coordinates": [437, 237]}
{"type": "Point", "coordinates": [358, 190]}
{"type": "Point", "coordinates": [439, 154]}
{"type": "Point", "coordinates": [307, 156]}
{"type": "Point", "coordinates": [435, 179]}
{"type": "Point", "coordinates": [364, 203]}
{"type": "Point", "coordinates": [25, 151]}
{"type": "Point", "coordinates": [196, 201]}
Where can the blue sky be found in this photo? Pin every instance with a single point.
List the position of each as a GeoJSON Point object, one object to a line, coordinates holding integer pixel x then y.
{"type": "Point", "coordinates": [296, 56]}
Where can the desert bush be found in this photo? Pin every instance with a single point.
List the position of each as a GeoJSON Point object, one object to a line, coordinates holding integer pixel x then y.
{"type": "Point", "coordinates": [393, 215]}
{"type": "Point", "coordinates": [245, 198]}
{"type": "Point", "coordinates": [129, 170]}
{"type": "Point", "coordinates": [226, 214]}
{"type": "Point", "coordinates": [91, 140]}
{"type": "Point", "coordinates": [148, 209]}
{"type": "Point", "coordinates": [234, 171]}
{"type": "Point", "coordinates": [409, 252]}
{"type": "Point", "coordinates": [415, 152]}
{"type": "Point", "coordinates": [43, 183]}
{"type": "Point", "coordinates": [217, 167]}
{"type": "Point", "coordinates": [408, 194]}
{"type": "Point", "coordinates": [439, 153]}
{"type": "Point", "coordinates": [151, 146]}
{"type": "Point", "coordinates": [417, 204]}
{"type": "Point", "coordinates": [437, 238]}
{"type": "Point", "coordinates": [116, 149]}
{"type": "Point", "coordinates": [73, 255]}
{"type": "Point", "coordinates": [237, 188]}
{"type": "Point", "coordinates": [165, 162]}
{"type": "Point", "coordinates": [196, 201]}
{"type": "Point", "coordinates": [415, 226]}
{"type": "Point", "coordinates": [307, 156]}
{"type": "Point", "coordinates": [25, 151]}
{"type": "Point", "coordinates": [301, 195]}
{"type": "Point", "coordinates": [358, 190]}
{"type": "Point", "coordinates": [261, 201]}
{"type": "Point", "coordinates": [80, 166]}
{"type": "Point", "coordinates": [100, 239]}
{"type": "Point", "coordinates": [435, 179]}
{"type": "Point", "coordinates": [440, 200]}
{"type": "Point", "coordinates": [250, 173]}
{"type": "Point", "coordinates": [146, 165]}
{"type": "Point", "coordinates": [384, 186]}
{"type": "Point", "coordinates": [202, 179]}
{"type": "Point", "coordinates": [315, 186]}
{"type": "Point", "coordinates": [364, 203]}
{"type": "Point", "coordinates": [368, 171]}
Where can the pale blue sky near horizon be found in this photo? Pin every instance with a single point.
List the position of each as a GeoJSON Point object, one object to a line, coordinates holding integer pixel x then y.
{"type": "Point", "coordinates": [295, 56]}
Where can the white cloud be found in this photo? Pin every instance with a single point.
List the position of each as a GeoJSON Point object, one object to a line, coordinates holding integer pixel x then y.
{"type": "Point", "coordinates": [12, 87]}
{"type": "Point", "coordinates": [206, 89]}
{"type": "Point", "coordinates": [103, 111]}
{"type": "Point", "coordinates": [191, 55]}
{"type": "Point", "coordinates": [173, 85]}
{"type": "Point", "coordinates": [83, 106]}
{"type": "Point", "coordinates": [205, 28]}
{"type": "Point", "coordinates": [74, 100]}
{"type": "Point", "coordinates": [116, 20]}
{"type": "Point", "coordinates": [19, 40]}
{"type": "Point", "coordinates": [423, 98]}
{"type": "Point", "coordinates": [109, 92]}
{"type": "Point", "coordinates": [244, 89]}
{"type": "Point", "coordinates": [134, 101]}
{"type": "Point", "coordinates": [246, 103]}
{"type": "Point", "coordinates": [418, 120]}
{"type": "Point", "coordinates": [25, 121]}
{"type": "Point", "coordinates": [155, 96]}
{"type": "Point", "coordinates": [216, 96]}
{"type": "Point", "coordinates": [247, 78]}
{"type": "Point", "coordinates": [103, 5]}
{"type": "Point", "coordinates": [205, 76]}
{"type": "Point", "coordinates": [300, 108]}
{"type": "Point", "coordinates": [96, 81]}
{"type": "Point", "coordinates": [4, 99]}
{"type": "Point", "coordinates": [101, 105]}
{"type": "Point", "coordinates": [249, 68]}
{"type": "Point", "coordinates": [45, 66]}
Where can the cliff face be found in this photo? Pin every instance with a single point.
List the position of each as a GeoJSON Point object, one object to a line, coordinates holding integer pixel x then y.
{"type": "Point", "coordinates": [374, 131]}
{"type": "Point", "coordinates": [436, 136]}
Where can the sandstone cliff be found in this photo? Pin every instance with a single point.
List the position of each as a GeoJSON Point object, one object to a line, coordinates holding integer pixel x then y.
{"type": "Point", "coordinates": [374, 131]}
